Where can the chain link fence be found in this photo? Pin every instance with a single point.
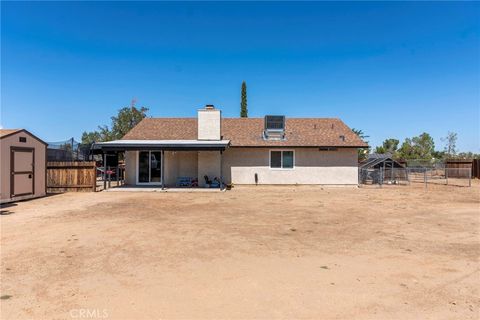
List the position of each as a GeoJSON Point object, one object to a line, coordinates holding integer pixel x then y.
{"type": "Point", "coordinates": [68, 150]}
{"type": "Point", "coordinates": [435, 174]}
{"type": "Point", "coordinates": [383, 176]}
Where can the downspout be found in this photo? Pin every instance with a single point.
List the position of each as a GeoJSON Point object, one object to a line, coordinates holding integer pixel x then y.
{"type": "Point", "coordinates": [221, 171]}
{"type": "Point", "coordinates": [162, 169]}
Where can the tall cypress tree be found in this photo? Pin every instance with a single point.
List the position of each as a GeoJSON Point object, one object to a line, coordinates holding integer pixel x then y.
{"type": "Point", "coordinates": [243, 104]}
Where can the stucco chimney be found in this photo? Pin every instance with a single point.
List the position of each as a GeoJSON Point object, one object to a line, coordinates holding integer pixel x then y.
{"type": "Point", "coordinates": [209, 120]}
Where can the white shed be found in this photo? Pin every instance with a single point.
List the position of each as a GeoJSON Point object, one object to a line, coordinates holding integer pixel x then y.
{"type": "Point", "coordinates": [22, 165]}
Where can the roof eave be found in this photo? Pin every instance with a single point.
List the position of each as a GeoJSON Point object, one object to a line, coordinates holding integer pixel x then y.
{"type": "Point", "coordinates": [298, 146]}
{"type": "Point", "coordinates": [126, 145]}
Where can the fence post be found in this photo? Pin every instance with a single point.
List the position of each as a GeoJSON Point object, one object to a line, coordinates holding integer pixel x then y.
{"type": "Point", "coordinates": [470, 178]}
{"type": "Point", "coordinates": [382, 172]}
{"type": "Point", "coordinates": [117, 172]}
{"type": "Point", "coordinates": [71, 150]}
{"type": "Point", "coordinates": [391, 172]}
{"type": "Point", "coordinates": [425, 177]}
{"type": "Point", "coordinates": [446, 175]}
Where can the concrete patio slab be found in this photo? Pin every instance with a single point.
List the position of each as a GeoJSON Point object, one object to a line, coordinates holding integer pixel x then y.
{"type": "Point", "coordinates": [159, 189]}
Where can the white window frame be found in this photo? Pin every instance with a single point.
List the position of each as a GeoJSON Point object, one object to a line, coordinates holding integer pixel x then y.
{"type": "Point", "coordinates": [281, 159]}
{"type": "Point", "coordinates": [149, 171]}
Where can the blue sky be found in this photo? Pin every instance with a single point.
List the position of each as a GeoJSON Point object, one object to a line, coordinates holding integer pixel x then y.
{"type": "Point", "coordinates": [391, 69]}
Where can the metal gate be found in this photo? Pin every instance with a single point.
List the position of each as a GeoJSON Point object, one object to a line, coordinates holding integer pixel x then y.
{"type": "Point", "coordinates": [22, 171]}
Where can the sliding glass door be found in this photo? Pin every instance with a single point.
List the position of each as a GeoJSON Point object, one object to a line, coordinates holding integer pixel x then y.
{"type": "Point", "coordinates": [149, 167]}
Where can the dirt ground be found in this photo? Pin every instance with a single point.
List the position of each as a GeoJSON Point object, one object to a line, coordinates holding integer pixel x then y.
{"type": "Point", "coordinates": [399, 252]}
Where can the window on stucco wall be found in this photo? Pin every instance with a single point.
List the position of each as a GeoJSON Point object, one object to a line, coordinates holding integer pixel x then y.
{"type": "Point", "coordinates": [282, 159]}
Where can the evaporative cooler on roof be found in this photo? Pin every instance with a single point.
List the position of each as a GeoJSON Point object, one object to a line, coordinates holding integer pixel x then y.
{"type": "Point", "coordinates": [274, 128]}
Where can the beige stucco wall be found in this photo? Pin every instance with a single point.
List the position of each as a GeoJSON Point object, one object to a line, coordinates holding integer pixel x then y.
{"type": "Point", "coordinates": [40, 163]}
{"type": "Point", "coordinates": [209, 164]}
{"type": "Point", "coordinates": [311, 167]}
{"type": "Point", "coordinates": [239, 166]}
{"type": "Point", "coordinates": [130, 167]}
{"type": "Point", "coordinates": [177, 164]}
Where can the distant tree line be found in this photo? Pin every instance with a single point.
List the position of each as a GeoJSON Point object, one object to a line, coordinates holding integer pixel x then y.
{"type": "Point", "coordinates": [421, 147]}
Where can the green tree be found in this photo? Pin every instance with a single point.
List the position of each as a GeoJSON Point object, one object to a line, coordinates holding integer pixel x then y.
{"type": "Point", "coordinates": [127, 118]}
{"type": "Point", "coordinates": [420, 147]}
{"type": "Point", "coordinates": [406, 150]}
{"type": "Point", "coordinates": [124, 121]}
{"type": "Point", "coordinates": [360, 133]}
{"type": "Point", "coordinates": [362, 152]}
{"type": "Point", "coordinates": [450, 144]}
{"type": "Point", "coordinates": [438, 155]}
{"type": "Point", "coordinates": [91, 137]}
{"type": "Point", "coordinates": [388, 146]}
{"type": "Point", "coordinates": [243, 103]}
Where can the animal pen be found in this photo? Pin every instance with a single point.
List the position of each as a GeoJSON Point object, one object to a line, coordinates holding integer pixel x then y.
{"type": "Point", "coordinates": [382, 169]}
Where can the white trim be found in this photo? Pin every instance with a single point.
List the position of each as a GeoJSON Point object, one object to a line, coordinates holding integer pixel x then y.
{"type": "Point", "coordinates": [281, 159]}
{"type": "Point", "coordinates": [149, 170]}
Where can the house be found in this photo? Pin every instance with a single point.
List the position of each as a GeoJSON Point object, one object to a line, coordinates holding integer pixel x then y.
{"type": "Point", "coordinates": [272, 150]}
{"type": "Point", "coordinates": [22, 164]}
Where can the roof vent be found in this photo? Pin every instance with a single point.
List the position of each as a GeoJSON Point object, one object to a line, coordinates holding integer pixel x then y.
{"type": "Point", "coordinates": [274, 128]}
{"type": "Point", "coordinates": [342, 137]}
{"type": "Point", "coordinates": [209, 107]}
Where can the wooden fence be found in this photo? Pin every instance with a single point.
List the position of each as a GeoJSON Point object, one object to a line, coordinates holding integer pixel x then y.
{"type": "Point", "coordinates": [459, 168]}
{"type": "Point", "coordinates": [476, 168]}
{"type": "Point", "coordinates": [77, 176]}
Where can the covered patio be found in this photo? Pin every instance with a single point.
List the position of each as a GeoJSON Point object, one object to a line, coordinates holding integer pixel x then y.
{"type": "Point", "coordinates": [169, 163]}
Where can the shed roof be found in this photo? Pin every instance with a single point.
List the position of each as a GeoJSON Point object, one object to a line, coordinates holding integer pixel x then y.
{"type": "Point", "coordinates": [379, 161]}
{"type": "Point", "coordinates": [247, 132]}
{"type": "Point", "coordinates": [8, 132]}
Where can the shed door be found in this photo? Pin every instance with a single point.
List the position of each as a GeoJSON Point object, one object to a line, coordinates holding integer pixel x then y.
{"type": "Point", "coordinates": [22, 171]}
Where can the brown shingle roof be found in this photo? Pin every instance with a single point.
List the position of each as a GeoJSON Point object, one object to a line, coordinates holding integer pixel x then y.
{"type": "Point", "coordinates": [247, 132]}
{"type": "Point", "coordinates": [6, 132]}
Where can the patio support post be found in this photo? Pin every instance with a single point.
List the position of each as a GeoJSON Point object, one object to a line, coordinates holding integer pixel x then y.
{"type": "Point", "coordinates": [104, 171]}
{"type": "Point", "coordinates": [162, 169]}
{"type": "Point", "coordinates": [221, 172]}
{"type": "Point", "coordinates": [117, 173]}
